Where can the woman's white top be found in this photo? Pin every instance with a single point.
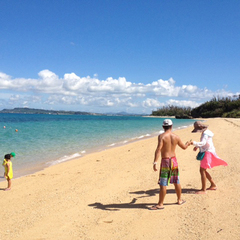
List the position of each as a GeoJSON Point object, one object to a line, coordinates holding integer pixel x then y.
{"type": "Point", "coordinates": [206, 142]}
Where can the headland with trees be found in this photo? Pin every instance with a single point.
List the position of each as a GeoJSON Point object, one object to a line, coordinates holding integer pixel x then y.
{"type": "Point", "coordinates": [228, 107]}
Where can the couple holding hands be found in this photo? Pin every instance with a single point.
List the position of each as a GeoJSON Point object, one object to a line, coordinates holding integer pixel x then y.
{"type": "Point", "coordinates": [169, 172]}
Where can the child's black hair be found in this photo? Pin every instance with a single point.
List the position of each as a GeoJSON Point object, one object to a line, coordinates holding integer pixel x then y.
{"type": "Point", "coordinates": [7, 156]}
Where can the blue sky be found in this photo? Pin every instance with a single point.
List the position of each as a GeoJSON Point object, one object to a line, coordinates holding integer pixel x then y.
{"type": "Point", "coordinates": [111, 56]}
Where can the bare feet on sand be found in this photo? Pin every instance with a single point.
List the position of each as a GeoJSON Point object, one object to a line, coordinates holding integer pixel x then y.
{"type": "Point", "coordinates": [201, 192]}
{"type": "Point", "coordinates": [212, 188]}
{"type": "Point", "coordinates": [156, 207]}
{"type": "Point", "coordinates": [181, 202]}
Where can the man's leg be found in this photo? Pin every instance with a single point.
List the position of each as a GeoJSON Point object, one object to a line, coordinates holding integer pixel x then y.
{"type": "Point", "coordinates": [162, 194]}
{"type": "Point", "coordinates": [178, 190]}
{"type": "Point", "coordinates": [163, 182]}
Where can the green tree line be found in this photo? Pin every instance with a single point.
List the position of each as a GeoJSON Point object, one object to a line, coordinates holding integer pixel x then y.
{"type": "Point", "coordinates": [227, 107]}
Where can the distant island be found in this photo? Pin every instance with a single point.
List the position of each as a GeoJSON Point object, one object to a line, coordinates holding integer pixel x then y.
{"type": "Point", "coordinates": [42, 111]}
{"type": "Point", "coordinates": [216, 107]}
{"type": "Point", "coordinates": [62, 112]}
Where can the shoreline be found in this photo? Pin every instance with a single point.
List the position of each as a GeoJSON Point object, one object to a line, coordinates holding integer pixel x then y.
{"type": "Point", "coordinates": [160, 116]}
{"type": "Point", "coordinates": [106, 195]}
{"type": "Point", "coordinates": [40, 166]}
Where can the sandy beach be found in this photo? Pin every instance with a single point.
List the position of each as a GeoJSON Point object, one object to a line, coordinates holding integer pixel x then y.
{"type": "Point", "coordinates": [106, 195]}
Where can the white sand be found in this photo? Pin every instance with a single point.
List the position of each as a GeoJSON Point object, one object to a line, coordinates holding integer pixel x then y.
{"type": "Point", "coordinates": [105, 195]}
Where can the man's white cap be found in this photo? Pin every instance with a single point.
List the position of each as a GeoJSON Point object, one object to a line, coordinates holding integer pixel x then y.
{"type": "Point", "coordinates": [167, 122]}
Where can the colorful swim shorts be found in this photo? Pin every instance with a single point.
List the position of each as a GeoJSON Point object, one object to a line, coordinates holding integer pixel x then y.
{"type": "Point", "coordinates": [169, 171]}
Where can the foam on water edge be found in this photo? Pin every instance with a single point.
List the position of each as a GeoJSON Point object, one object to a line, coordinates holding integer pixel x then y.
{"type": "Point", "coordinates": [36, 166]}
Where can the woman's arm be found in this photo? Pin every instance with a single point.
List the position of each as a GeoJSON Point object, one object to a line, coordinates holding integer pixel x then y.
{"type": "Point", "coordinates": [203, 141]}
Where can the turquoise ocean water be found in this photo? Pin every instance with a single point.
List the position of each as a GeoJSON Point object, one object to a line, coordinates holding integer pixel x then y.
{"type": "Point", "coordinates": [44, 140]}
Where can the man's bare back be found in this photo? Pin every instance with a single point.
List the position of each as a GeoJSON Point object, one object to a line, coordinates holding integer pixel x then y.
{"type": "Point", "coordinates": [167, 143]}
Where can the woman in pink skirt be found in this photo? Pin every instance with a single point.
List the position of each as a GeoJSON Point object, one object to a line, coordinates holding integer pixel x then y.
{"type": "Point", "coordinates": [210, 158]}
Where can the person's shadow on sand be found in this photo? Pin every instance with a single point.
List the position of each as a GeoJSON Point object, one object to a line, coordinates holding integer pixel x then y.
{"type": "Point", "coordinates": [118, 206]}
{"type": "Point", "coordinates": [133, 204]}
{"type": "Point", "coordinates": [154, 192]}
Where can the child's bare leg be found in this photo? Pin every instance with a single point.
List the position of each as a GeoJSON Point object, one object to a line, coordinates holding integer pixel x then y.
{"type": "Point", "coordinates": [178, 190]}
{"type": "Point", "coordinates": [204, 180]}
{"type": "Point", "coordinates": [9, 184]}
{"type": "Point", "coordinates": [213, 186]}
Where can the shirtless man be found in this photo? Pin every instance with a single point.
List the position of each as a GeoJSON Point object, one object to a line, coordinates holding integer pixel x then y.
{"type": "Point", "coordinates": [167, 143]}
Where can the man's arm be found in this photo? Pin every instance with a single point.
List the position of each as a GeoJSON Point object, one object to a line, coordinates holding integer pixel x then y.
{"type": "Point", "coordinates": [157, 152]}
{"type": "Point", "coordinates": [182, 145]}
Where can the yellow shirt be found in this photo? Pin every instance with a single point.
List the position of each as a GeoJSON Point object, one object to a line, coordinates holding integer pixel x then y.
{"type": "Point", "coordinates": [4, 162]}
{"type": "Point", "coordinates": [10, 174]}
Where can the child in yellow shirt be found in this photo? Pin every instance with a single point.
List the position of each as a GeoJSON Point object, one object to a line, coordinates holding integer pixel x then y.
{"type": "Point", "coordinates": [12, 154]}
{"type": "Point", "coordinates": [8, 170]}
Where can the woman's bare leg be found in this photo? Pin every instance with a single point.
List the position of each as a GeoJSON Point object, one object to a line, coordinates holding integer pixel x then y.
{"type": "Point", "coordinates": [203, 180]}
{"type": "Point", "coordinates": [213, 186]}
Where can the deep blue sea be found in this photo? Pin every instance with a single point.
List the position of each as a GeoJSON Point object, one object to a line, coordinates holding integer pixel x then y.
{"type": "Point", "coordinates": [44, 140]}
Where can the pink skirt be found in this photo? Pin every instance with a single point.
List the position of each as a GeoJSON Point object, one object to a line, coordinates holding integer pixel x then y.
{"type": "Point", "coordinates": [211, 160]}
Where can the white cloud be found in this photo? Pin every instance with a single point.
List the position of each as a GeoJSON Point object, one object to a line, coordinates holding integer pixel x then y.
{"type": "Point", "coordinates": [14, 98]}
{"type": "Point", "coordinates": [119, 94]}
{"type": "Point", "coordinates": [182, 103]}
{"type": "Point", "coordinates": [152, 103]}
